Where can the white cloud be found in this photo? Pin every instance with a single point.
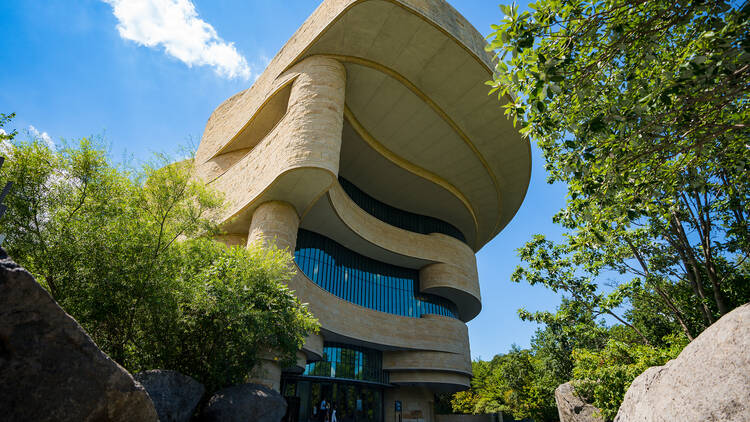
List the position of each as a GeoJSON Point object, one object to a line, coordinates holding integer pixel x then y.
{"type": "Point", "coordinates": [44, 136]}
{"type": "Point", "coordinates": [175, 25]}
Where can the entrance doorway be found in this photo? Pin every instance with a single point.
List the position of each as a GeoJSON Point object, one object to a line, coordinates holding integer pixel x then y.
{"type": "Point", "coordinates": [353, 401]}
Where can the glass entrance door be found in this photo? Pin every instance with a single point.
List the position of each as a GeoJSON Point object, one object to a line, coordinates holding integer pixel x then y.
{"type": "Point", "coordinates": [353, 402]}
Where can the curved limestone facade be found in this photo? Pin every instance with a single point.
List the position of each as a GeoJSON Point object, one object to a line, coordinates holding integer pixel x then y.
{"type": "Point", "coordinates": [370, 149]}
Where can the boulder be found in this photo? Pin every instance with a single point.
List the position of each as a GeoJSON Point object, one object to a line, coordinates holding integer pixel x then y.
{"type": "Point", "coordinates": [572, 408]}
{"type": "Point", "coordinates": [708, 381]}
{"type": "Point", "coordinates": [246, 402]}
{"type": "Point", "coordinates": [175, 396]}
{"type": "Point", "coordinates": [50, 368]}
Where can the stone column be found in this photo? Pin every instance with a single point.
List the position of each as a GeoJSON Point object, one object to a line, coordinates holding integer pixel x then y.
{"type": "Point", "coordinates": [315, 114]}
{"type": "Point", "coordinates": [267, 372]}
{"type": "Point", "coordinates": [274, 222]}
{"type": "Point", "coordinates": [312, 145]}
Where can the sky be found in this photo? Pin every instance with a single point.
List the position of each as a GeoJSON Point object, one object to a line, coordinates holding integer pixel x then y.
{"type": "Point", "coordinates": [146, 74]}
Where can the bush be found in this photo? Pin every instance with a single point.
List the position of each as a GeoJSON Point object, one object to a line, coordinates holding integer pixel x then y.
{"type": "Point", "coordinates": [227, 305]}
{"type": "Point", "coordinates": [127, 254]}
{"type": "Point", "coordinates": [603, 376]}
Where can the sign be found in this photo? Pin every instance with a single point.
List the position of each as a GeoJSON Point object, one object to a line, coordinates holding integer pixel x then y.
{"type": "Point", "coordinates": [398, 405]}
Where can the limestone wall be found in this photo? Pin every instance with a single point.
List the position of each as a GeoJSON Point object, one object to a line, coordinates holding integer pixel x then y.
{"type": "Point", "coordinates": [299, 158]}
{"type": "Point", "coordinates": [417, 404]}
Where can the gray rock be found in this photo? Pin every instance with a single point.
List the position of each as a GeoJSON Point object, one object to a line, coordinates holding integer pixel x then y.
{"type": "Point", "coordinates": [708, 381]}
{"type": "Point", "coordinates": [246, 402]}
{"type": "Point", "coordinates": [572, 408]}
{"type": "Point", "coordinates": [50, 369]}
{"type": "Point", "coordinates": [175, 396]}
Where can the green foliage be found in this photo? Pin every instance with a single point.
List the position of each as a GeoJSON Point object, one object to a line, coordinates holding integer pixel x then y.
{"type": "Point", "coordinates": [672, 74]}
{"type": "Point", "coordinates": [522, 383]}
{"type": "Point", "coordinates": [516, 383]}
{"type": "Point", "coordinates": [641, 108]}
{"type": "Point", "coordinates": [465, 402]}
{"type": "Point", "coordinates": [125, 253]}
{"type": "Point", "coordinates": [605, 375]}
{"type": "Point", "coordinates": [226, 306]}
{"type": "Point", "coordinates": [4, 119]}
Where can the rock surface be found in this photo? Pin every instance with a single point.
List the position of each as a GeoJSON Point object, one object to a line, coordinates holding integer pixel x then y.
{"type": "Point", "coordinates": [50, 369]}
{"type": "Point", "coordinates": [572, 408]}
{"type": "Point", "coordinates": [246, 402]}
{"type": "Point", "coordinates": [708, 381]}
{"type": "Point", "coordinates": [175, 395]}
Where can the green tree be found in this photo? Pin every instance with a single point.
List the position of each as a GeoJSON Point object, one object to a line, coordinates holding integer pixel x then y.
{"type": "Point", "coordinates": [641, 108]}
{"type": "Point", "coordinates": [484, 395]}
{"type": "Point", "coordinates": [227, 306]}
{"type": "Point", "coordinates": [127, 254]}
{"type": "Point", "coordinates": [514, 383]}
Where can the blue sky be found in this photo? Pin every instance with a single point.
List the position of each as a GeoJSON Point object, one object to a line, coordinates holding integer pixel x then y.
{"type": "Point", "coordinates": [68, 72]}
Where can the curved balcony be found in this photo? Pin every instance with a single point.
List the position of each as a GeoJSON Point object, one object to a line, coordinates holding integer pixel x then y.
{"type": "Point", "coordinates": [447, 265]}
{"type": "Point", "coordinates": [344, 321]}
{"type": "Point", "coordinates": [437, 381]}
{"type": "Point", "coordinates": [424, 360]}
{"type": "Point", "coordinates": [432, 350]}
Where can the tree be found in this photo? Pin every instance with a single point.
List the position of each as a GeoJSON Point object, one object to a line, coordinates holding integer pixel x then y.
{"type": "Point", "coordinates": [127, 254]}
{"type": "Point", "coordinates": [641, 108]}
{"type": "Point", "coordinates": [230, 304]}
{"type": "Point", "coordinates": [558, 267]}
{"type": "Point", "coordinates": [486, 394]}
{"type": "Point", "coordinates": [513, 383]}
{"type": "Point", "coordinates": [634, 78]}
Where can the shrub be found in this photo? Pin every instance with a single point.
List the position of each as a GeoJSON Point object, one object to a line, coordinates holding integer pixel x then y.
{"type": "Point", "coordinates": [603, 376]}
{"type": "Point", "coordinates": [127, 254]}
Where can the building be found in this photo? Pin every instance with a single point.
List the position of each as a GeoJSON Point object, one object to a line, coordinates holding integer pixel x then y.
{"type": "Point", "coordinates": [370, 148]}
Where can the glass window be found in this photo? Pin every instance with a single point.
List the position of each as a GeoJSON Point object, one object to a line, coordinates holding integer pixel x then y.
{"type": "Point", "coordinates": [368, 283]}
{"type": "Point", "coordinates": [399, 218]}
{"type": "Point", "coordinates": [349, 362]}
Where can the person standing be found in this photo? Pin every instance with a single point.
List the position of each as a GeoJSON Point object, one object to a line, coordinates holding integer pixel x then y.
{"type": "Point", "coordinates": [333, 412]}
